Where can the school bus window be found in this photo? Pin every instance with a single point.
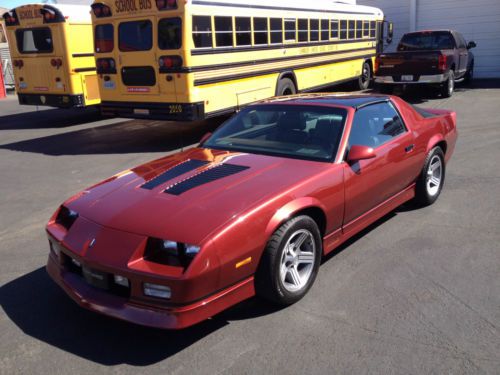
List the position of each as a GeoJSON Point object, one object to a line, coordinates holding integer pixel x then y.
{"type": "Point", "coordinates": [135, 36]}
{"type": "Point", "coordinates": [38, 40]}
{"type": "Point", "coordinates": [103, 40]}
{"type": "Point", "coordinates": [223, 31]}
{"type": "Point", "coordinates": [276, 30]}
{"type": "Point", "coordinates": [303, 30]}
{"type": "Point", "coordinates": [290, 30]}
{"type": "Point", "coordinates": [243, 31]}
{"type": "Point", "coordinates": [373, 29]}
{"type": "Point", "coordinates": [359, 29]}
{"type": "Point", "coordinates": [352, 26]}
{"type": "Point", "coordinates": [325, 31]}
{"type": "Point", "coordinates": [314, 36]}
{"type": "Point", "coordinates": [366, 29]}
{"type": "Point", "coordinates": [202, 32]}
{"type": "Point", "coordinates": [260, 30]}
{"type": "Point", "coordinates": [170, 33]}
{"type": "Point", "coordinates": [343, 29]}
{"type": "Point", "coordinates": [334, 31]}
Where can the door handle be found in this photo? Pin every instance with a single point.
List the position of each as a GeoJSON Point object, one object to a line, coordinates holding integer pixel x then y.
{"type": "Point", "coordinates": [409, 148]}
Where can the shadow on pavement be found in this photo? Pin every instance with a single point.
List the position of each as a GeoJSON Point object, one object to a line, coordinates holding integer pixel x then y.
{"type": "Point", "coordinates": [131, 136]}
{"type": "Point", "coordinates": [50, 118]}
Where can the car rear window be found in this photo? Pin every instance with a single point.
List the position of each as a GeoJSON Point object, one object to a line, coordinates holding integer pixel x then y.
{"type": "Point", "coordinates": [36, 40]}
{"type": "Point", "coordinates": [135, 36]}
{"type": "Point", "coordinates": [170, 33]}
{"type": "Point", "coordinates": [436, 40]}
{"type": "Point", "coordinates": [104, 41]}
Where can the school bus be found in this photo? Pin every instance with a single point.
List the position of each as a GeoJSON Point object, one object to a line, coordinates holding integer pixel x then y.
{"type": "Point", "coordinates": [51, 47]}
{"type": "Point", "coordinates": [193, 59]}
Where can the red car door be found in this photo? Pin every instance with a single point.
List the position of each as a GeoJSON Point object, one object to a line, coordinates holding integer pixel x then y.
{"type": "Point", "coordinates": [370, 182]}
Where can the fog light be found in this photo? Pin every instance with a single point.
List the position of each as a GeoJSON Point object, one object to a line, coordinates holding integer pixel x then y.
{"type": "Point", "coordinates": [120, 280]}
{"type": "Point", "coordinates": [159, 291]}
{"type": "Point", "coordinates": [55, 248]}
{"type": "Point", "coordinates": [75, 262]}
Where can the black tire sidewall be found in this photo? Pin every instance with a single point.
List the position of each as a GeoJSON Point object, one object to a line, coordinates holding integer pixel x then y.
{"type": "Point", "coordinates": [366, 85]}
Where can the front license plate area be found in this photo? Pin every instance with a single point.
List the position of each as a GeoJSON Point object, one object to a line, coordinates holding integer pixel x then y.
{"type": "Point", "coordinates": [140, 111]}
{"type": "Point", "coordinates": [95, 278]}
{"type": "Point", "coordinates": [407, 78]}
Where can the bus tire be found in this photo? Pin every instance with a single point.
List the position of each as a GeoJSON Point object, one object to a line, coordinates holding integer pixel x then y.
{"type": "Point", "coordinates": [365, 78]}
{"type": "Point", "coordinates": [285, 87]}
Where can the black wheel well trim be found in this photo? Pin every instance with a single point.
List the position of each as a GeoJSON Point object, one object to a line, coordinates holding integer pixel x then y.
{"type": "Point", "coordinates": [315, 213]}
{"type": "Point", "coordinates": [442, 144]}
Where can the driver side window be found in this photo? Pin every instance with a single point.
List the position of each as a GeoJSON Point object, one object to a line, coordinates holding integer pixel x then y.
{"type": "Point", "coordinates": [375, 125]}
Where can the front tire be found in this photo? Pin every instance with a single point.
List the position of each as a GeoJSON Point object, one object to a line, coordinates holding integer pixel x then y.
{"type": "Point", "coordinates": [448, 88]}
{"type": "Point", "coordinates": [290, 262]}
{"type": "Point", "coordinates": [431, 179]}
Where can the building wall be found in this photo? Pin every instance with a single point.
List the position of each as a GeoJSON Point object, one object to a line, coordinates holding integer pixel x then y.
{"type": "Point", "coordinates": [477, 20]}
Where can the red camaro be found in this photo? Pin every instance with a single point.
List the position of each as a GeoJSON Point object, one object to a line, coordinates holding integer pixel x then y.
{"type": "Point", "coordinates": [251, 210]}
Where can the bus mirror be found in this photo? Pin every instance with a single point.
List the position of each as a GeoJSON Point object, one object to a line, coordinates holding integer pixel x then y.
{"type": "Point", "coordinates": [390, 32]}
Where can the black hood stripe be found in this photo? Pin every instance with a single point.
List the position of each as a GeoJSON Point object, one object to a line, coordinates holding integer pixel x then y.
{"type": "Point", "coordinates": [204, 177]}
{"type": "Point", "coordinates": [174, 172]}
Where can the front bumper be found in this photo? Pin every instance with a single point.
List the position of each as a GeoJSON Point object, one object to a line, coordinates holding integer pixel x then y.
{"type": "Point", "coordinates": [52, 100]}
{"type": "Point", "coordinates": [417, 79]}
{"type": "Point", "coordinates": [156, 111]}
{"type": "Point", "coordinates": [121, 307]}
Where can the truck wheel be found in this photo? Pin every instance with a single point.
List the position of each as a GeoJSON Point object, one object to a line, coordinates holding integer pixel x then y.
{"type": "Point", "coordinates": [431, 179]}
{"type": "Point", "coordinates": [365, 77]}
{"type": "Point", "coordinates": [469, 76]}
{"type": "Point", "coordinates": [285, 87]}
{"type": "Point", "coordinates": [290, 262]}
{"type": "Point", "coordinates": [448, 87]}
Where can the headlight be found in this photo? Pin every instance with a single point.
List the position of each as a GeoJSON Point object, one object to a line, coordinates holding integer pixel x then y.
{"type": "Point", "coordinates": [66, 217]}
{"type": "Point", "coordinates": [170, 252]}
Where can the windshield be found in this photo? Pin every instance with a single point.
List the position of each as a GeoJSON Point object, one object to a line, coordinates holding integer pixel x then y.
{"type": "Point", "coordinates": [427, 41]}
{"type": "Point", "coordinates": [303, 132]}
{"type": "Point", "coordinates": [37, 40]}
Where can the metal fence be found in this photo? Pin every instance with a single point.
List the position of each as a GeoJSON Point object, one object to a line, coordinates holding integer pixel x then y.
{"type": "Point", "coordinates": [8, 73]}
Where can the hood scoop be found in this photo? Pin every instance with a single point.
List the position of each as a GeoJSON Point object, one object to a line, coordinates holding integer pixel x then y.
{"type": "Point", "coordinates": [211, 174]}
{"type": "Point", "coordinates": [176, 171]}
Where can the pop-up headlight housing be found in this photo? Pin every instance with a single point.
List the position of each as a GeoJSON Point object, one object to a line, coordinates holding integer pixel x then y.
{"type": "Point", "coordinates": [66, 217]}
{"type": "Point", "coordinates": [170, 253]}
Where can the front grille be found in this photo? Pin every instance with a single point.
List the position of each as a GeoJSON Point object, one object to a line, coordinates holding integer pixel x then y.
{"type": "Point", "coordinates": [209, 175]}
{"type": "Point", "coordinates": [138, 76]}
{"type": "Point", "coordinates": [95, 278]}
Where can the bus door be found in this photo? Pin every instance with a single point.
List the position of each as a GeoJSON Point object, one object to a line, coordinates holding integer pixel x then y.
{"type": "Point", "coordinates": [137, 58]}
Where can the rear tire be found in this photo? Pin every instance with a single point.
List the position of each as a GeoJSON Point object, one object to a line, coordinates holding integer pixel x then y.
{"type": "Point", "coordinates": [431, 179]}
{"type": "Point", "coordinates": [285, 87]}
{"type": "Point", "coordinates": [469, 76]}
{"type": "Point", "coordinates": [448, 87]}
{"type": "Point", "coordinates": [290, 262]}
{"type": "Point", "coordinates": [365, 78]}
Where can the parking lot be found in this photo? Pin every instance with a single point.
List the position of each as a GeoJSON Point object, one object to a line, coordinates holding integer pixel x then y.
{"type": "Point", "coordinates": [416, 293]}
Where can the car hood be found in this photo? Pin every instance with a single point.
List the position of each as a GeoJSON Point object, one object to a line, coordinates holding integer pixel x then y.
{"type": "Point", "coordinates": [187, 196]}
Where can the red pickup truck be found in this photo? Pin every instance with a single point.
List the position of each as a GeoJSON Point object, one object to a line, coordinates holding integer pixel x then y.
{"type": "Point", "coordinates": [438, 57]}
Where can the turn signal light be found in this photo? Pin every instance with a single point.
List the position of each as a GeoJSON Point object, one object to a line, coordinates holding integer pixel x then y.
{"type": "Point", "coordinates": [101, 10]}
{"type": "Point", "coordinates": [11, 18]}
{"type": "Point", "coordinates": [377, 64]}
{"type": "Point", "coordinates": [18, 63]}
{"type": "Point", "coordinates": [106, 66]}
{"type": "Point", "coordinates": [56, 63]}
{"type": "Point", "coordinates": [166, 4]}
{"type": "Point", "coordinates": [168, 63]}
{"type": "Point", "coordinates": [442, 63]}
{"type": "Point", "coordinates": [51, 14]}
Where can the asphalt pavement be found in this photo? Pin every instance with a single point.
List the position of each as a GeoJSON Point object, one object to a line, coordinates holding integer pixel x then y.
{"type": "Point", "coordinates": [416, 293]}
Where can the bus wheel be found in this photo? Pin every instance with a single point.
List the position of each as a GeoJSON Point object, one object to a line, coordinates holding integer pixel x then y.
{"type": "Point", "coordinates": [285, 87]}
{"type": "Point", "coordinates": [365, 77]}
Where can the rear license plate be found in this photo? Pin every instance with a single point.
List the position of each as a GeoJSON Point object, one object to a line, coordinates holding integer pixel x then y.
{"type": "Point", "coordinates": [407, 78]}
{"type": "Point", "coordinates": [139, 111]}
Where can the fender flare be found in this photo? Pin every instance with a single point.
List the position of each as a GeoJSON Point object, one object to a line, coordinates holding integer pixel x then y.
{"type": "Point", "coordinates": [435, 139]}
{"type": "Point", "coordinates": [289, 210]}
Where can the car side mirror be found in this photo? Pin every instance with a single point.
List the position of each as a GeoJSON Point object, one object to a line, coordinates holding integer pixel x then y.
{"type": "Point", "coordinates": [357, 153]}
{"type": "Point", "coordinates": [205, 137]}
{"type": "Point", "coordinates": [471, 44]}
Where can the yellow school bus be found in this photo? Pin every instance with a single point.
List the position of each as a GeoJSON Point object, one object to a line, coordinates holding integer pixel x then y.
{"type": "Point", "coordinates": [193, 59]}
{"type": "Point", "coordinates": [51, 47]}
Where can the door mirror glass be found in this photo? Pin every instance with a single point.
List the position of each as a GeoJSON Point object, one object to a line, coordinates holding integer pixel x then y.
{"type": "Point", "coordinates": [357, 153]}
{"type": "Point", "coordinates": [471, 44]}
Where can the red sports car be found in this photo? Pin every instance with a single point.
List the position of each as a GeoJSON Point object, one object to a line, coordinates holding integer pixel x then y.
{"type": "Point", "coordinates": [250, 211]}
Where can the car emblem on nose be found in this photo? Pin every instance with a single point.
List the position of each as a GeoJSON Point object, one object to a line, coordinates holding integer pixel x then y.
{"type": "Point", "coordinates": [92, 243]}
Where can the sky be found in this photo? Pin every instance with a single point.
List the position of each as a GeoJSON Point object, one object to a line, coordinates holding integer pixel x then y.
{"type": "Point", "coordinates": [9, 4]}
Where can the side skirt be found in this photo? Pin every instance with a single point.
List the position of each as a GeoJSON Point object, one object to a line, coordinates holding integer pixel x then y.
{"type": "Point", "coordinates": [335, 239]}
